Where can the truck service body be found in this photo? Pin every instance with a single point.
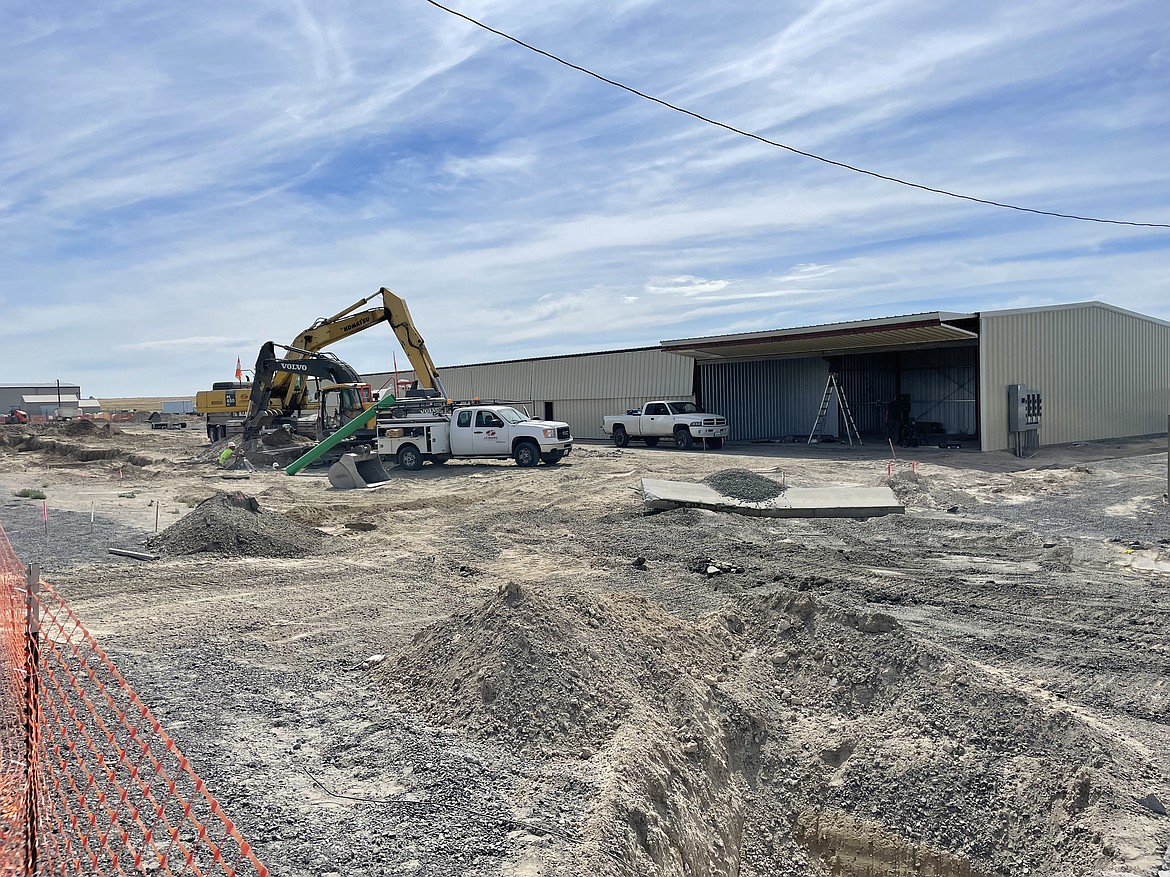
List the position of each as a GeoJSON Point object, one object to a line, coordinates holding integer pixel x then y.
{"type": "Point", "coordinates": [477, 430]}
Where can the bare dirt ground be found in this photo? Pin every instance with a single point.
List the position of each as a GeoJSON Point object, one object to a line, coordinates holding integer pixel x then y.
{"type": "Point", "coordinates": [484, 670]}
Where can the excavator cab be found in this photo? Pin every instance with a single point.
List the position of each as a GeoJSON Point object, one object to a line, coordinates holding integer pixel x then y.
{"type": "Point", "coordinates": [340, 403]}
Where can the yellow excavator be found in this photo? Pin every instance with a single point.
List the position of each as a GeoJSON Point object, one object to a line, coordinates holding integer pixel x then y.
{"type": "Point", "coordinates": [280, 388]}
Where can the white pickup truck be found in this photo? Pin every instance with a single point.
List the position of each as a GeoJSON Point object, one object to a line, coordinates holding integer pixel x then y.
{"type": "Point", "coordinates": [469, 432]}
{"type": "Point", "coordinates": [682, 422]}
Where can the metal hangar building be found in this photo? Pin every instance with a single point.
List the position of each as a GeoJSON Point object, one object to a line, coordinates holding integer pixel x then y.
{"type": "Point", "coordinates": [1096, 370]}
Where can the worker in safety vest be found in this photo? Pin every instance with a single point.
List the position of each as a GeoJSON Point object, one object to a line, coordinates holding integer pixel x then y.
{"type": "Point", "coordinates": [232, 457]}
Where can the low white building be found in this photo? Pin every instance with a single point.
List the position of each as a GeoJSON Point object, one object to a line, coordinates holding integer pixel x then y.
{"type": "Point", "coordinates": [44, 399]}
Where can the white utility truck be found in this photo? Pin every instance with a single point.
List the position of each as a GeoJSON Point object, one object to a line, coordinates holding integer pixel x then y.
{"type": "Point", "coordinates": [682, 422]}
{"type": "Point", "coordinates": [469, 431]}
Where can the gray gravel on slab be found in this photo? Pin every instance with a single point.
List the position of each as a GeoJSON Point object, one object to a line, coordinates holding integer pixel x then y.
{"type": "Point", "coordinates": [744, 485]}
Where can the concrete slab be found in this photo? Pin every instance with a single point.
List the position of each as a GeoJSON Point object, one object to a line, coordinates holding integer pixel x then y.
{"type": "Point", "coordinates": [796, 502]}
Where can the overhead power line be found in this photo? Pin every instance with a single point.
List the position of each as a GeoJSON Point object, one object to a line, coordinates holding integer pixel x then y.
{"type": "Point", "coordinates": [777, 144]}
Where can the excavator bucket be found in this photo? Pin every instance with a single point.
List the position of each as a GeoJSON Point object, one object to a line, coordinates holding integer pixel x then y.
{"type": "Point", "coordinates": [358, 471]}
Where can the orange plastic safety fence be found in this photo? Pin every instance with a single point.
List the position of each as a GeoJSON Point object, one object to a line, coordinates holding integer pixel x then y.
{"type": "Point", "coordinates": [112, 794]}
{"type": "Point", "coordinates": [13, 684]}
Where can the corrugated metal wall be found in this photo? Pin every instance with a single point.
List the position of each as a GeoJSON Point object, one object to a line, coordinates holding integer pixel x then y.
{"type": "Point", "coordinates": [768, 399]}
{"type": "Point", "coordinates": [869, 383]}
{"type": "Point", "coordinates": [1103, 373]}
{"type": "Point", "coordinates": [941, 383]}
{"type": "Point", "coordinates": [646, 374]}
{"type": "Point", "coordinates": [584, 415]}
{"type": "Point", "coordinates": [780, 398]}
{"type": "Point", "coordinates": [582, 389]}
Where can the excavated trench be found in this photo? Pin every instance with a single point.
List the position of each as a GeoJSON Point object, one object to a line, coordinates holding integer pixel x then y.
{"type": "Point", "coordinates": [68, 451]}
{"type": "Point", "coordinates": [847, 847]}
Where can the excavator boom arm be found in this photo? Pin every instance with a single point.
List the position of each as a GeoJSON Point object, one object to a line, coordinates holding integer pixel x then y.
{"type": "Point", "coordinates": [412, 343]}
{"type": "Point", "coordinates": [351, 321]}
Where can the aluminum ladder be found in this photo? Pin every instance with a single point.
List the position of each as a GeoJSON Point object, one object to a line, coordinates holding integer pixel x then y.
{"type": "Point", "coordinates": [831, 387]}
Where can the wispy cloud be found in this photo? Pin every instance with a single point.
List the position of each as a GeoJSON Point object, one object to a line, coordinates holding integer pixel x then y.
{"type": "Point", "coordinates": [179, 184]}
{"type": "Point", "coordinates": [183, 344]}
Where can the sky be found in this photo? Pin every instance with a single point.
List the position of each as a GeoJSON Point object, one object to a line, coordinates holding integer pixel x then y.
{"type": "Point", "coordinates": [181, 182]}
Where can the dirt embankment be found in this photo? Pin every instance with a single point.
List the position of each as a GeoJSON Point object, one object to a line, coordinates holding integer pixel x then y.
{"type": "Point", "coordinates": [77, 441]}
{"type": "Point", "coordinates": [784, 737]}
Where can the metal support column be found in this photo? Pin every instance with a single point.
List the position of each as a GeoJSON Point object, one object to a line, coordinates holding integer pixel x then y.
{"type": "Point", "coordinates": [32, 714]}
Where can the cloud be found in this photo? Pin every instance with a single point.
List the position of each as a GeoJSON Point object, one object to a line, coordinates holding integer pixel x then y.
{"type": "Point", "coordinates": [504, 161]}
{"type": "Point", "coordinates": [180, 184]}
{"type": "Point", "coordinates": [182, 344]}
{"type": "Point", "coordinates": [685, 286]}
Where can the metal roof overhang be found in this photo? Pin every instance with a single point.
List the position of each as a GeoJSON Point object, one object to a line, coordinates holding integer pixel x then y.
{"type": "Point", "coordinates": [840, 338]}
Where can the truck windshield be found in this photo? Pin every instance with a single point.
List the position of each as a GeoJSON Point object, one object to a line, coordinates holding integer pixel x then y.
{"type": "Point", "coordinates": [511, 415]}
{"type": "Point", "coordinates": [684, 408]}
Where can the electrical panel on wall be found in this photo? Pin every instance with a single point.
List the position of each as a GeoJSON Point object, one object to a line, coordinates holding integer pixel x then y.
{"type": "Point", "coordinates": [1024, 408]}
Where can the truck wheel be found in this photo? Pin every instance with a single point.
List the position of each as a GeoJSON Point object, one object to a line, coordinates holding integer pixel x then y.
{"type": "Point", "coordinates": [552, 457]}
{"type": "Point", "coordinates": [620, 437]}
{"type": "Point", "coordinates": [410, 458]}
{"type": "Point", "coordinates": [651, 441]}
{"type": "Point", "coordinates": [683, 439]}
{"type": "Point", "coordinates": [526, 454]}
{"type": "Point", "coordinates": [715, 443]}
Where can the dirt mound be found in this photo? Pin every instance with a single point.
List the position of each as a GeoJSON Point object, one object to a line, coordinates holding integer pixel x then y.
{"type": "Point", "coordinates": [79, 427]}
{"type": "Point", "coordinates": [503, 670]}
{"type": "Point", "coordinates": [234, 524]}
{"type": "Point", "coordinates": [283, 438]}
{"type": "Point", "coordinates": [90, 429]}
{"type": "Point", "coordinates": [774, 737]}
{"type": "Point", "coordinates": [537, 671]}
{"type": "Point", "coordinates": [210, 454]}
{"type": "Point", "coordinates": [910, 487]}
{"type": "Point", "coordinates": [744, 485]}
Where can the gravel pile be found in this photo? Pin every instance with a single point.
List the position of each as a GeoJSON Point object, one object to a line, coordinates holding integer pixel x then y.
{"type": "Point", "coordinates": [234, 524]}
{"type": "Point", "coordinates": [744, 485]}
{"type": "Point", "coordinates": [519, 669]}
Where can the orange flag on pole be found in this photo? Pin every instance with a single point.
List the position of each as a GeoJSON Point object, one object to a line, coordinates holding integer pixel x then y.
{"type": "Point", "coordinates": [239, 371]}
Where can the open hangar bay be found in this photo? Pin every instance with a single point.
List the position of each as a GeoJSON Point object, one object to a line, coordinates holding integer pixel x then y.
{"type": "Point", "coordinates": [1102, 372]}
